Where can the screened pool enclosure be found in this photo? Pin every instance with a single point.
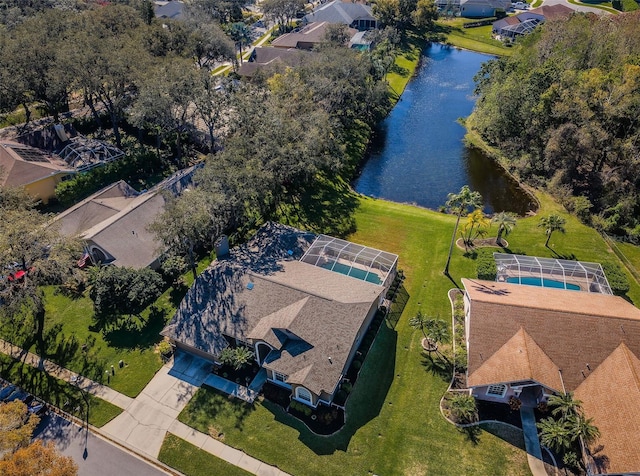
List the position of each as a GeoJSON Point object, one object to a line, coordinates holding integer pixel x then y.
{"type": "Point", "coordinates": [357, 261]}
{"type": "Point", "coordinates": [551, 273]}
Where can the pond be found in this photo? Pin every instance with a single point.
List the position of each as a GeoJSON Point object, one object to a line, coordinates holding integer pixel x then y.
{"type": "Point", "coordinates": [419, 156]}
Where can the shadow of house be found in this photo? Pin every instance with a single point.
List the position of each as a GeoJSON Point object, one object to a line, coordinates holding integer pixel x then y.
{"type": "Point", "coordinates": [284, 296]}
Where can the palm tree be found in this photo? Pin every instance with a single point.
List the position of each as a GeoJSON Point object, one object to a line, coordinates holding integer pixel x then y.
{"type": "Point", "coordinates": [459, 203]}
{"type": "Point", "coordinates": [463, 408]}
{"type": "Point", "coordinates": [552, 223]}
{"type": "Point", "coordinates": [582, 427]}
{"type": "Point", "coordinates": [505, 221]}
{"type": "Point", "coordinates": [555, 434]}
{"type": "Point", "coordinates": [476, 221]}
{"type": "Point", "coordinates": [433, 330]}
{"type": "Point", "coordinates": [241, 35]}
{"type": "Point", "coordinates": [565, 405]}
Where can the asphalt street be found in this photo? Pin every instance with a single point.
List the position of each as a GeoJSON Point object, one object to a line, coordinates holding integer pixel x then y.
{"type": "Point", "coordinates": [94, 456]}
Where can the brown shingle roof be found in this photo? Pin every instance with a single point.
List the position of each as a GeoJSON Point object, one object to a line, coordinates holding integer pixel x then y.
{"type": "Point", "coordinates": [611, 396]}
{"type": "Point", "coordinates": [15, 171]}
{"type": "Point", "coordinates": [552, 12]}
{"type": "Point", "coordinates": [520, 358]}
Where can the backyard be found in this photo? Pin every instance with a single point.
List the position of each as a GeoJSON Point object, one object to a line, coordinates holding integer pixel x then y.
{"type": "Point", "coordinates": [393, 421]}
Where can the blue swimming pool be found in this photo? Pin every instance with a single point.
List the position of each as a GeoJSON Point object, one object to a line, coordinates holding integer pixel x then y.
{"type": "Point", "coordinates": [353, 272]}
{"type": "Point", "coordinates": [544, 282]}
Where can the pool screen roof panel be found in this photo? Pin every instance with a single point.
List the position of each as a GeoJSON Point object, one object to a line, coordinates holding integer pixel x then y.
{"type": "Point", "coordinates": [327, 249]}
{"type": "Point", "coordinates": [562, 270]}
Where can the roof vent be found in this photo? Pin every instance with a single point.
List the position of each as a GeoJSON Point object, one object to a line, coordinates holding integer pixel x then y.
{"type": "Point", "coordinates": [249, 285]}
{"type": "Point", "coordinates": [330, 361]}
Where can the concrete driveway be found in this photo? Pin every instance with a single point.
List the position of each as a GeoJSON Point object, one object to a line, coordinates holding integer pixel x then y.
{"type": "Point", "coordinates": [144, 423]}
{"type": "Point", "coordinates": [93, 455]}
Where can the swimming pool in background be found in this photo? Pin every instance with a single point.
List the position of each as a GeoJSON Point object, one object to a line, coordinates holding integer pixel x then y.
{"type": "Point", "coordinates": [352, 271]}
{"type": "Point", "coordinates": [543, 282]}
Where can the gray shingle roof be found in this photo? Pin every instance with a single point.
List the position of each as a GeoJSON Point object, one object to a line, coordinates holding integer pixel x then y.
{"type": "Point", "coordinates": [340, 12]}
{"type": "Point", "coordinates": [309, 315]}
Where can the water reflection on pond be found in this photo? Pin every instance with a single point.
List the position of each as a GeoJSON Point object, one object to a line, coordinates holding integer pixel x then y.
{"type": "Point", "coordinates": [419, 156]}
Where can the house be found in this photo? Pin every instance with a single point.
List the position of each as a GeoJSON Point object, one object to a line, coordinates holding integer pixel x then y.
{"type": "Point", "coordinates": [34, 169]}
{"type": "Point", "coordinates": [306, 38]}
{"type": "Point", "coordinates": [524, 23]}
{"type": "Point", "coordinates": [302, 302]}
{"type": "Point", "coordinates": [113, 221]}
{"type": "Point", "coordinates": [561, 333]}
{"type": "Point", "coordinates": [171, 9]}
{"type": "Point", "coordinates": [268, 57]}
{"type": "Point", "coordinates": [473, 8]}
{"type": "Point", "coordinates": [354, 15]}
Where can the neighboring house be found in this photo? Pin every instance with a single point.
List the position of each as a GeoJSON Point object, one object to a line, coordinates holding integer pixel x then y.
{"type": "Point", "coordinates": [302, 302]}
{"type": "Point", "coordinates": [531, 342]}
{"type": "Point", "coordinates": [113, 222]}
{"type": "Point", "coordinates": [524, 23]}
{"type": "Point", "coordinates": [306, 38]}
{"type": "Point", "coordinates": [268, 57]}
{"type": "Point", "coordinates": [171, 9]}
{"type": "Point", "coordinates": [354, 15]}
{"type": "Point", "coordinates": [473, 8]}
{"type": "Point", "coordinates": [37, 171]}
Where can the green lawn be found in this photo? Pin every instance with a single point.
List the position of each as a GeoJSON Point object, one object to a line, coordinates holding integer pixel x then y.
{"type": "Point", "coordinates": [393, 421]}
{"type": "Point", "coordinates": [406, 63]}
{"type": "Point", "coordinates": [70, 325]}
{"type": "Point", "coordinates": [476, 39]}
{"type": "Point", "coordinates": [57, 392]}
{"type": "Point", "coordinates": [192, 461]}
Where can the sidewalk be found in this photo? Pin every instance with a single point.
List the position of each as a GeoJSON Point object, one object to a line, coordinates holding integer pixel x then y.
{"type": "Point", "coordinates": [222, 451]}
{"type": "Point", "coordinates": [143, 425]}
{"type": "Point", "coordinates": [93, 388]}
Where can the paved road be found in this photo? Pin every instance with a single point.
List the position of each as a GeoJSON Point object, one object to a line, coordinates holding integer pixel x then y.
{"type": "Point", "coordinates": [94, 456]}
{"type": "Point", "coordinates": [578, 8]}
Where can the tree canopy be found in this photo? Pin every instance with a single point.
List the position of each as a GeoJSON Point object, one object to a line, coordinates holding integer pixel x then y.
{"type": "Point", "coordinates": [564, 109]}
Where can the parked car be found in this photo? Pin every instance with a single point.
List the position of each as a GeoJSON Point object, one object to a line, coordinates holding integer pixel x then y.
{"type": "Point", "coordinates": [6, 391]}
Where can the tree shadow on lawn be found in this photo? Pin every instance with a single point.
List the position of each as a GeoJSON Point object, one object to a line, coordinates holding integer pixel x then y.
{"type": "Point", "coordinates": [364, 403]}
{"type": "Point", "coordinates": [326, 208]}
{"type": "Point", "coordinates": [215, 402]}
{"type": "Point", "coordinates": [133, 333]}
{"type": "Point", "coordinates": [438, 366]}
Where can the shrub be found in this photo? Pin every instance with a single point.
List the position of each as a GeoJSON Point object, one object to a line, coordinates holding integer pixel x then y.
{"type": "Point", "coordinates": [347, 387]}
{"type": "Point", "coordinates": [356, 365]}
{"type": "Point", "coordinates": [617, 278]}
{"type": "Point", "coordinates": [165, 348]}
{"type": "Point", "coordinates": [486, 265]}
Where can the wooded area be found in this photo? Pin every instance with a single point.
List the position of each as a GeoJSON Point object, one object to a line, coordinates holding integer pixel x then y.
{"type": "Point", "coordinates": [564, 110]}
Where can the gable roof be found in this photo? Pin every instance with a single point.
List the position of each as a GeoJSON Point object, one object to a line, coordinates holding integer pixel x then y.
{"type": "Point", "coordinates": [116, 219]}
{"type": "Point", "coordinates": [520, 358]}
{"type": "Point", "coordinates": [308, 314]}
{"type": "Point", "coordinates": [313, 33]}
{"type": "Point", "coordinates": [22, 165]}
{"type": "Point", "coordinates": [611, 395]}
{"type": "Point", "coordinates": [171, 9]}
{"type": "Point", "coordinates": [572, 328]}
{"type": "Point", "coordinates": [264, 56]}
{"type": "Point", "coordinates": [340, 12]}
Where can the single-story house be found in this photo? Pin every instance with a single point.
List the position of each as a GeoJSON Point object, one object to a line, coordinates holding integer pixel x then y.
{"type": "Point", "coordinates": [473, 8]}
{"type": "Point", "coordinates": [353, 14]}
{"type": "Point", "coordinates": [306, 38]}
{"type": "Point", "coordinates": [533, 341]}
{"type": "Point", "coordinates": [113, 221]}
{"type": "Point", "coordinates": [301, 302]}
{"type": "Point", "coordinates": [524, 23]}
{"type": "Point", "coordinates": [268, 57]}
{"type": "Point", "coordinates": [36, 170]}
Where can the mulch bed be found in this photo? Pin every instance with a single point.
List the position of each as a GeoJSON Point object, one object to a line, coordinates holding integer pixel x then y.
{"type": "Point", "coordinates": [498, 411]}
{"type": "Point", "coordinates": [327, 420]}
{"type": "Point", "coordinates": [483, 243]}
{"type": "Point", "coordinates": [239, 376]}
